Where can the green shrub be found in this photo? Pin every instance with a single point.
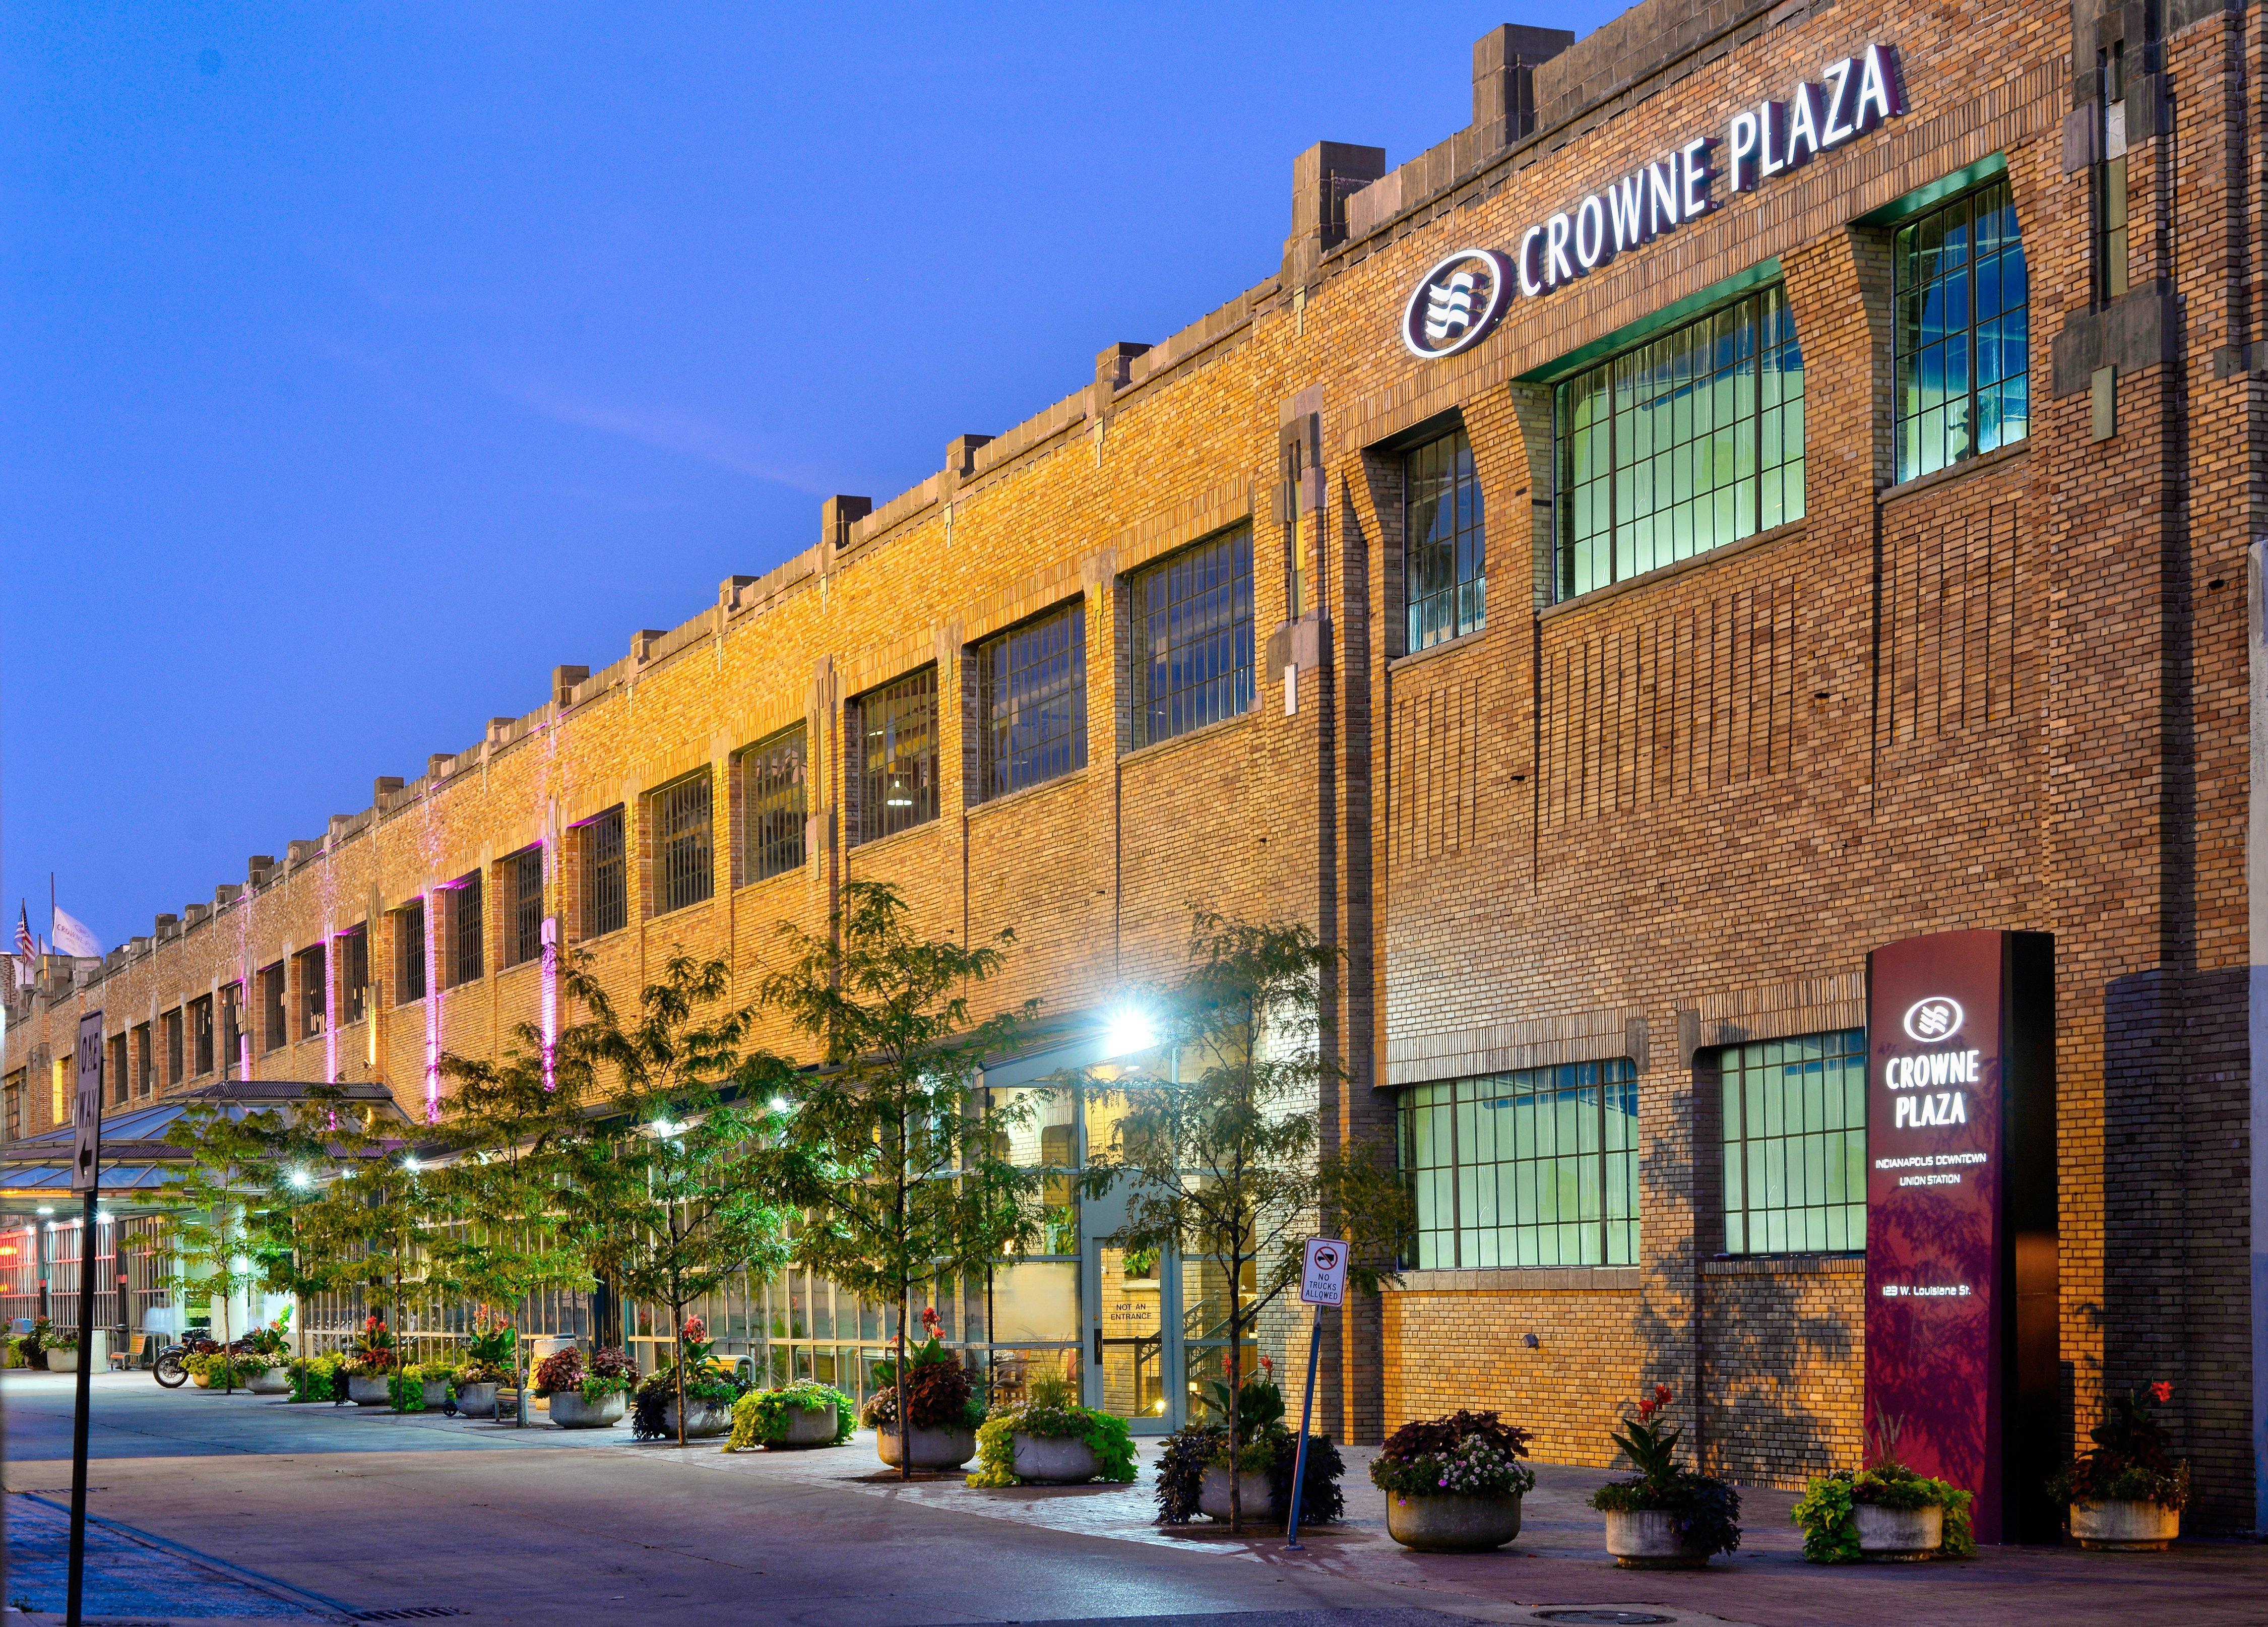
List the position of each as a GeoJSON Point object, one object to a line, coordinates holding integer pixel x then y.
{"type": "Point", "coordinates": [1052, 1414]}
{"type": "Point", "coordinates": [761, 1417]}
{"type": "Point", "coordinates": [1827, 1511]}
{"type": "Point", "coordinates": [2133, 1458]}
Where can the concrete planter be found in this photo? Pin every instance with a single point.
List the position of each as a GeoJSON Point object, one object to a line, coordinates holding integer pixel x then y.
{"type": "Point", "coordinates": [62, 1361]}
{"type": "Point", "coordinates": [1451, 1523]}
{"type": "Point", "coordinates": [806, 1426]}
{"type": "Point", "coordinates": [703, 1419]}
{"type": "Point", "coordinates": [933, 1448]}
{"type": "Point", "coordinates": [1646, 1539]}
{"type": "Point", "coordinates": [2125, 1527]}
{"type": "Point", "coordinates": [274, 1381]}
{"type": "Point", "coordinates": [569, 1410]}
{"type": "Point", "coordinates": [1054, 1461]}
{"type": "Point", "coordinates": [1900, 1533]}
{"type": "Point", "coordinates": [1212, 1496]}
{"type": "Point", "coordinates": [366, 1390]}
{"type": "Point", "coordinates": [477, 1401]}
{"type": "Point", "coordinates": [436, 1393]}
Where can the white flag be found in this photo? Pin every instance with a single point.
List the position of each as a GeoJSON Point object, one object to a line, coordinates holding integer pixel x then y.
{"type": "Point", "coordinates": [72, 938]}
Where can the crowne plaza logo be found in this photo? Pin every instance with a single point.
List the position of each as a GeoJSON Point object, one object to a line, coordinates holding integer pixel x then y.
{"type": "Point", "coordinates": [1456, 303]}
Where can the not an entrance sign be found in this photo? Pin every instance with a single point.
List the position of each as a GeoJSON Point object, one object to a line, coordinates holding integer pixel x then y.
{"type": "Point", "coordinates": [1323, 1279]}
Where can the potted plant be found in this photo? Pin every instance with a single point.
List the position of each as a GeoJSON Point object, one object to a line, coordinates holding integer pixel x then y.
{"type": "Point", "coordinates": [30, 1348]}
{"type": "Point", "coordinates": [794, 1416]}
{"type": "Point", "coordinates": [2127, 1493]}
{"type": "Point", "coordinates": [370, 1363]}
{"type": "Point", "coordinates": [1051, 1441]}
{"type": "Point", "coordinates": [1193, 1471]}
{"type": "Point", "coordinates": [592, 1396]}
{"type": "Point", "coordinates": [270, 1344]}
{"type": "Point", "coordinates": [1887, 1512]}
{"type": "Point", "coordinates": [318, 1378]}
{"type": "Point", "coordinates": [1669, 1518]}
{"type": "Point", "coordinates": [1452, 1486]}
{"type": "Point", "coordinates": [62, 1347]}
{"type": "Point", "coordinates": [706, 1383]}
{"type": "Point", "coordinates": [488, 1363]}
{"type": "Point", "coordinates": [942, 1408]}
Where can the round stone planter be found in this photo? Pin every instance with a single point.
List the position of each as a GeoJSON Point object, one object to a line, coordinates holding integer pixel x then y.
{"type": "Point", "coordinates": [274, 1381]}
{"type": "Point", "coordinates": [1646, 1539]}
{"type": "Point", "coordinates": [1900, 1533]}
{"type": "Point", "coordinates": [1447, 1523]}
{"type": "Point", "coordinates": [806, 1426]}
{"type": "Point", "coordinates": [367, 1390]}
{"type": "Point", "coordinates": [2125, 1527]}
{"type": "Point", "coordinates": [1212, 1496]}
{"type": "Point", "coordinates": [476, 1400]}
{"type": "Point", "coordinates": [1054, 1461]}
{"type": "Point", "coordinates": [62, 1361]}
{"type": "Point", "coordinates": [703, 1419]}
{"type": "Point", "coordinates": [437, 1393]}
{"type": "Point", "coordinates": [569, 1410]}
{"type": "Point", "coordinates": [933, 1448]}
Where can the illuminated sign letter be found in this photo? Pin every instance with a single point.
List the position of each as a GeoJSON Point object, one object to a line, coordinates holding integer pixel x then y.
{"type": "Point", "coordinates": [1626, 211]}
{"type": "Point", "coordinates": [1838, 128]}
{"type": "Point", "coordinates": [1741, 137]}
{"type": "Point", "coordinates": [1529, 283]}
{"type": "Point", "coordinates": [1693, 165]}
{"type": "Point", "coordinates": [1591, 244]}
{"type": "Point", "coordinates": [1662, 197]}
{"type": "Point", "coordinates": [1878, 88]}
{"type": "Point", "coordinates": [1771, 138]}
{"type": "Point", "coordinates": [1803, 124]}
{"type": "Point", "coordinates": [1557, 267]}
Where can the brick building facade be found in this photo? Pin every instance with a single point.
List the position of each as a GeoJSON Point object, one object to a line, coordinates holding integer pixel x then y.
{"type": "Point", "coordinates": [1606, 782]}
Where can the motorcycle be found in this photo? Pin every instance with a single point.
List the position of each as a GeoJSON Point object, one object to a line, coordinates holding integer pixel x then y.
{"type": "Point", "coordinates": [171, 1368]}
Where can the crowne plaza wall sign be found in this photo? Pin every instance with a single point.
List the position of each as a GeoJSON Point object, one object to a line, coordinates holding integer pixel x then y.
{"type": "Point", "coordinates": [1458, 301]}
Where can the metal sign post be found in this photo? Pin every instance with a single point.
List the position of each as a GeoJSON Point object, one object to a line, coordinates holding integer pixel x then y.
{"type": "Point", "coordinates": [86, 1163]}
{"type": "Point", "coordinates": [1323, 1281]}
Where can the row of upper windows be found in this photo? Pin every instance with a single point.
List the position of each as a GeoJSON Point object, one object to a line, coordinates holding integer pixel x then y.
{"type": "Point", "coordinates": [1540, 1167]}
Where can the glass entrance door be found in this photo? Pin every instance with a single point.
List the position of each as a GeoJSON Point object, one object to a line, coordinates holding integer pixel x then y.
{"type": "Point", "coordinates": [1133, 1356]}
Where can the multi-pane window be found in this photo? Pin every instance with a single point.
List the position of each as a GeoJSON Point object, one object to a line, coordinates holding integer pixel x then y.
{"type": "Point", "coordinates": [467, 961]}
{"type": "Point", "coordinates": [409, 952]}
{"type": "Point", "coordinates": [201, 1034]}
{"type": "Point", "coordinates": [13, 1098]}
{"type": "Point", "coordinates": [606, 880]}
{"type": "Point", "coordinates": [312, 1005]}
{"type": "Point", "coordinates": [2110, 237]}
{"type": "Point", "coordinates": [1690, 441]}
{"type": "Point", "coordinates": [170, 1026]}
{"type": "Point", "coordinates": [116, 1063]}
{"type": "Point", "coordinates": [231, 1029]}
{"type": "Point", "coordinates": [898, 726]}
{"type": "Point", "coordinates": [1964, 331]}
{"type": "Point", "coordinates": [775, 800]}
{"type": "Point", "coordinates": [354, 974]}
{"type": "Point", "coordinates": [145, 1060]}
{"type": "Point", "coordinates": [523, 880]}
{"type": "Point", "coordinates": [1795, 1143]}
{"type": "Point", "coordinates": [1192, 627]}
{"type": "Point", "coordinates": [1533, 1169]}
{"type": "Point", "coordinates": [1031, 701]}
{"type": "Point", "coordinates": [1444, 543]}
{"type": "Point", "coordinates": [685, 843]}
{"type": "Point", "coordinates": [273, 1029]}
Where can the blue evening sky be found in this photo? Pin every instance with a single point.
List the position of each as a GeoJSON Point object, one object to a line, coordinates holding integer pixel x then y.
{"type": "Point", "coordinates": [363, 362]}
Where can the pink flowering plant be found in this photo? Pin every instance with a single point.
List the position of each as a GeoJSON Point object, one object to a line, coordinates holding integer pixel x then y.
{"type": "Point", "coordinates": [1464, 1454]}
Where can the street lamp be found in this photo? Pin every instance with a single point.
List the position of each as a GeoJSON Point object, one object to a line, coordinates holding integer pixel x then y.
{"type": "Point", "coordinates": [1128, 1031]}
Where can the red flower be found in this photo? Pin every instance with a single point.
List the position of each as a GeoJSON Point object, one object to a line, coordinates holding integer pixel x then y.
{"type": "Point", "coordinates": [930, 1319]}
{"type": "Point", "coordinates": [1661, 1394]}
{"type": "Point", "coordinates": [1645, 1411]}
{"type": "Point", "coordinates": [695, 1329]}
{"type": "Point", "coordinates": [2163, 1390]}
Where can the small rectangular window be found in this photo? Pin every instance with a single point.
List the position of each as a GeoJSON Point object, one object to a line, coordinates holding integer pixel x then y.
{"type": "Point", "coordinates": [1031, 702]}
{"type": "Point", "coordinates": [1537, 1167]}
{"type": "Point", "coordinates": [1444, 541]}
{"type": "Point", "coordinates": [13, 1098]}
{"type": "Point", "coordinates": [1962, 332]}
{"type": "Point", "coordinates": [121, 1080]}
{"type": "Point", "coordinates": [2111, 233]}
{"type": "Point", "coordinates": [523, 876]}
{"type": "Point", "coordinates": [684, 837]}
{"type": "Point", "coordinates": [1795, 1143]}
{"type": "Point", "coordinates": [145, 1060]}
{"type": "Point", "coordinates": [273, 1029]}
{"type": "Point", "coordinates": [1192, 631]}
{"type": "Point", "coordinates": [231, 1030]}
{"type": "Point", "coordinates": [201, 1035]}
{"type": "Point", "coordinates": [897, 725]}
{"type": "Point", "coordinates": [409, 952]}
{"type": "Point", "coordinates": [775, 802]}
{"type": "Point", "coordinates": [170, 1026]}
{"type": "Point", "coordinates": [354, 974]}
{"type": "Point", "coordinates": [314, 992]}
{"type": "Point", "coordinates": [467, 963]}
{"type": "Point", "coordinates": [606, 891]}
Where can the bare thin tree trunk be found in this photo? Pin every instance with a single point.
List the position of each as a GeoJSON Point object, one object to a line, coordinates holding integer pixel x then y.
{"type": "Point", "coordinates": [905, 1290]}
{"type": "Point", "coordinates": [677, 1310]}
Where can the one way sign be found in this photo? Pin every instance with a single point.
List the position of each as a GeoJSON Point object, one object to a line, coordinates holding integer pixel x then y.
{"type": "Point", "coordinates": [86, 1107]}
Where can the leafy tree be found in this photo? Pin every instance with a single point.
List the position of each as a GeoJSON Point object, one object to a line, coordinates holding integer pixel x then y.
{"type": "Point", "coordinates": [205, 1231]}
{"type": "Point", "coordinates": [887, 1140]}
{"type": "Point", "coordinates": [1226, 1162]}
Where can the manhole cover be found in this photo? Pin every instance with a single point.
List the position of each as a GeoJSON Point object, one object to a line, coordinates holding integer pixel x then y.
{"type": "Point", "coordinates": [1610, 1618]}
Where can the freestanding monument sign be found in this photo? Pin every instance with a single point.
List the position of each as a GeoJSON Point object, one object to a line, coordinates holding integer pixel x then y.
{"type": "Point", "coordinates": [1962, 1346]}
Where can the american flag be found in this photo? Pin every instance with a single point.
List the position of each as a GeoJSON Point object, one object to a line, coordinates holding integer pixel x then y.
{"type": "Point", "coordinates": [26, 950]}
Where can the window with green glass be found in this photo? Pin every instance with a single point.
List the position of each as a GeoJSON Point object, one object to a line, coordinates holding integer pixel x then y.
{"type": "Point", "coordinates": [1683, 443]}
{"type": "Point", "coordinates": [1537, 1167]}
{"type": "Point", "coordinates": [1964, 331]}
{"type": "Point", "coordinates": [1795, 1143]}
